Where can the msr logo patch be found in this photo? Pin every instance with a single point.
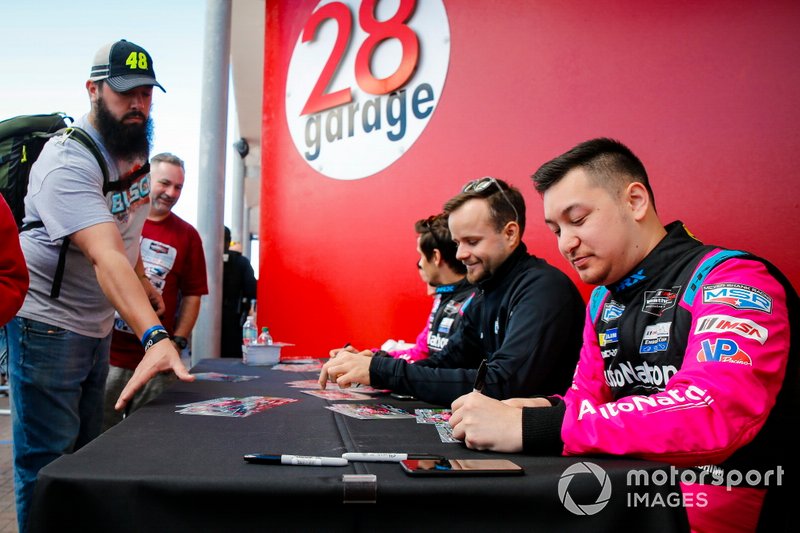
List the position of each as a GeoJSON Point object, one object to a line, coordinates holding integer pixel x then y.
{"type": "Point", "coordinates": [737, 296]}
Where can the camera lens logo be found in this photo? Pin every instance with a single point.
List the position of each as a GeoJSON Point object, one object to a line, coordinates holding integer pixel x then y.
{"type": "Point", "coordinates": [602, 498]}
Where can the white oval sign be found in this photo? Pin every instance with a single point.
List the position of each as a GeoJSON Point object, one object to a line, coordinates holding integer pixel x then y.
{"type": "Point", "coordinates": [364, 80]}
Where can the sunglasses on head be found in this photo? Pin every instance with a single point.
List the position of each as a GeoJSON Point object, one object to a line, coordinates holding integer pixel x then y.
{"type": "Point", "coordinates": [481, 184]}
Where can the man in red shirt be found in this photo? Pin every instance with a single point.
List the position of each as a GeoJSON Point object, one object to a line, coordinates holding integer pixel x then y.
{"type": "Point", "coordinates": [173, 258]}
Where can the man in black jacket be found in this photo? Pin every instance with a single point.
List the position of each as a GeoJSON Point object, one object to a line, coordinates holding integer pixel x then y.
{"type": "Point", "coordinates": [238, 294]}
{"type": "Point", "coordinates": [525, 320]}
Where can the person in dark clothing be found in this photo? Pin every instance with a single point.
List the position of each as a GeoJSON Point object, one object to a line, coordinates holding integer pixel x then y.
{"type": "Point", "coordinates": [238, 294]}
{"type": "Point", "coordinates": [525, 319]}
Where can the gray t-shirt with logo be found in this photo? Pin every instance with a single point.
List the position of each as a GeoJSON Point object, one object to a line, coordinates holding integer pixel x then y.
{"type": "Point", "coordinates": [66, 193]}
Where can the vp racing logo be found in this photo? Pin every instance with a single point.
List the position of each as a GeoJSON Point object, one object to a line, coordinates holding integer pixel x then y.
{"type": "Point", "coordinates": [583, 509]}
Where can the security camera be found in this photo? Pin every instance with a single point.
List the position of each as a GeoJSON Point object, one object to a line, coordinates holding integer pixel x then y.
{"type": "Point", "coordinates": [242, 148]}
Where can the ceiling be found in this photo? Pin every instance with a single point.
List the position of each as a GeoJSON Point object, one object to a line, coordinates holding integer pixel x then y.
{"type": "Point", "coordinates": [247, 68]}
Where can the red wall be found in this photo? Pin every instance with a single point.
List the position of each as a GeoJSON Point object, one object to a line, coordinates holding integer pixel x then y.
{"type": "Point", "coordinates": [706, 93]}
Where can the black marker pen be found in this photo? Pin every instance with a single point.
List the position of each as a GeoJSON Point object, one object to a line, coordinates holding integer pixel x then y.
{"type": "Point", "coordinates": [480, 378]}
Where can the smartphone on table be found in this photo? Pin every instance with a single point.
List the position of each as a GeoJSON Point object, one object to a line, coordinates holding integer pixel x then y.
{"type": "Point", "coordinates": [461, 467]}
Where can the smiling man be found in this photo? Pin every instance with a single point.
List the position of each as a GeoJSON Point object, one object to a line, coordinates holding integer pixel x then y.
{"type": "Point", "coordinates": [524, 320]}
{"type": "Point", "coordinates": [174, 263]}
{"type": "Point", "coordinates": [59, 342]}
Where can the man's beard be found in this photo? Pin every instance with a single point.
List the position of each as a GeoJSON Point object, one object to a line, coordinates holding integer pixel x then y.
{"type": "Point", "coordinates": [129, 142]}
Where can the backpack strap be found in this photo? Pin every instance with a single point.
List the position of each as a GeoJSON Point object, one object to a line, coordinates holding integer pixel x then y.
{"type": "Point", "coordinates": [124, 183]}
{"type": "Point", "coordinates": [86, 140]}
{"type": "Point", "coordinates": [55, 289]}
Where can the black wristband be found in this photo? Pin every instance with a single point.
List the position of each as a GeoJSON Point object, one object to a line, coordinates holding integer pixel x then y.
{"type": "Point", "coordinates": [155, 337]}
{"type": "Point", "coordinates": [181, 342]}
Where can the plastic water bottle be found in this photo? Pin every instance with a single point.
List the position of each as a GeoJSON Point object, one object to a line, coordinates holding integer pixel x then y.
{"type": "Point", "coordinates": [265, 337]}
{"type": "Point", "coordinates": [249, 332]}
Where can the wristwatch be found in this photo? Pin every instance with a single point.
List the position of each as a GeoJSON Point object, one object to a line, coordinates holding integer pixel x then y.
{"type": "Point", "coordinates": [181, 342]}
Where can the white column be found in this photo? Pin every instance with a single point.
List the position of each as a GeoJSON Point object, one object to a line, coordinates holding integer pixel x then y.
{"type": "Point", "coordinates": [211, 190]}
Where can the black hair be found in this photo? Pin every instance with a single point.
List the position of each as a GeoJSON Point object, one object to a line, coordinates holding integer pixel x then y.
{"type": "Point", "coordinates": [608, 162]}
{"type": "Point", "coordinates": [435, 235]}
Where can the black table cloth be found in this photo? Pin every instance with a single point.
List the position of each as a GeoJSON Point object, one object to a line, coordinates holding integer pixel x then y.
{"type": "Point", "coordinates": [162, 471]}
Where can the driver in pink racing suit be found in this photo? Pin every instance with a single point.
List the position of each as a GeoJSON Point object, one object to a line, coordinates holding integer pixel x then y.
{"type": "Point", "coordinates": [689, 351]}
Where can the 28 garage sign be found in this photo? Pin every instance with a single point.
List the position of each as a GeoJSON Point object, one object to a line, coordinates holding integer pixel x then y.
{"type": "Point", "coordinates": [364, 80]}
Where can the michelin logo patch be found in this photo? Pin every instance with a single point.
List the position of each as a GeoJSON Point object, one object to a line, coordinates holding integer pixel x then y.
{"type": "Point", "coordinates": [656, 338]}
{"type": "Point", "coordinates": [737, 296]}
{"type": "Point", "coordinates": [728, 324]}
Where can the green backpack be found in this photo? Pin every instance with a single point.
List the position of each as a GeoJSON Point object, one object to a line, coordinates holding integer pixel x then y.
{"type": "Point", "coordinates": [21, 141]}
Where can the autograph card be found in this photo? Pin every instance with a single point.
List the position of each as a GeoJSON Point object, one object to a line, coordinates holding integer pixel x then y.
{"type": "Point", "coordinates": [446, 432]}
{"type": "Point", "coordinates": [233, 407]}
{"type": "Point", "coordinates": [369, 411]}
{"type": "Point", "coordinates": [309, 384]}
{"type": "Point", "coordinates": [359, 391]}
{"type": "Point", "coordinates": [336, 394]}
{"type": "Point", "coordinates": [313, 366]}
{"type": "Point", "coordinates": [432, 416]}
{"type": "Point", "coordinates": [216, 376]}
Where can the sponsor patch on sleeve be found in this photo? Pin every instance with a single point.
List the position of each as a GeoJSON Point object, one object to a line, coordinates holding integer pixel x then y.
{"type": "Point", "coordinates": [737, 296]}
{"type": "Point", "coordinates": [728, 324]}
{"type": "Point", "coordinates": [723, 351]}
